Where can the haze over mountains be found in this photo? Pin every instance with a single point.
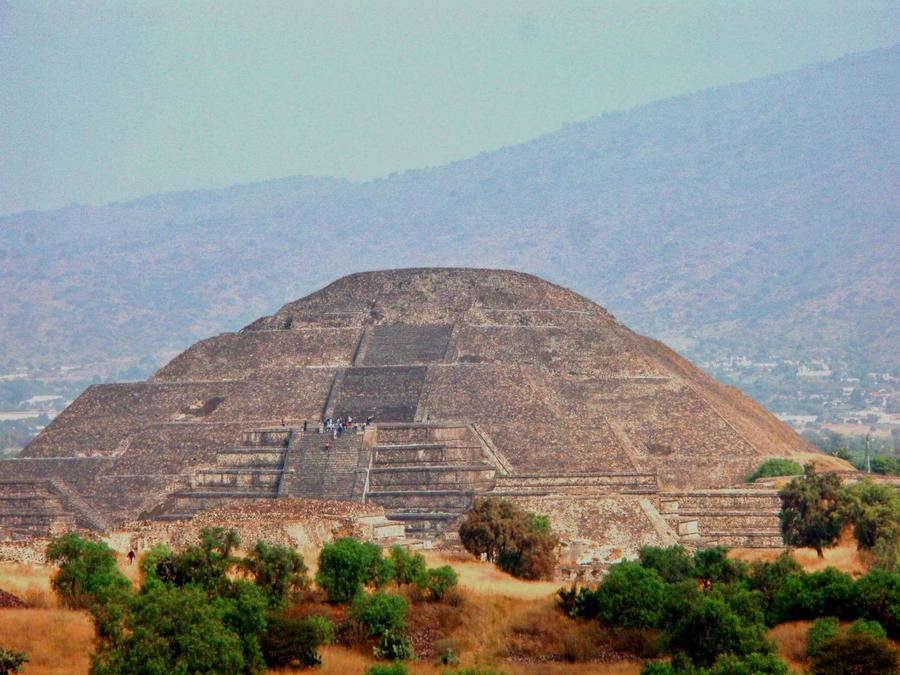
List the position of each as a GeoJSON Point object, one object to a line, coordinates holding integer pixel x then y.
{"type": "Point", "coordinates": [760, 218]}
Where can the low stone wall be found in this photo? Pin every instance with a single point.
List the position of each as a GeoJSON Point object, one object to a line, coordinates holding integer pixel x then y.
{"type": "Point", "coordinates": [300, 523]}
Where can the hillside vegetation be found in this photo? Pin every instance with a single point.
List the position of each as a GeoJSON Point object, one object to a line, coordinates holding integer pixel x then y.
{"type": "Point", "coordinates": [758, 218]}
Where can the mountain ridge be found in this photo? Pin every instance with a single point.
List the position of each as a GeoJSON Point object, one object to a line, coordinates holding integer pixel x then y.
{"type": "Point", "coordinates": [756, 217]}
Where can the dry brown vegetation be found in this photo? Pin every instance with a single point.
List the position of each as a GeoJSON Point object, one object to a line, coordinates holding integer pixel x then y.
{"type": "Point", "coordinates": [844, 556]}
{"type": "Point", "coordinates": [493, 620]}
{"type": "Point", "coordinates": [57, 641]}
{"type": "Point", "coordinates": [790, 640]}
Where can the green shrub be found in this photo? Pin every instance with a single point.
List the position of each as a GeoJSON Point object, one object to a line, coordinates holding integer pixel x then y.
{"type": "Point", "coordinates": [629, 596]}
{"type": "Point", "coordinates": [392, 646]}
{"type": "Point", "coordinates": [566, 597]}
{"type": "Point", "coordinates": [810, 596]}
{"type": "Point", "coordinates": [324, 628]}
{"type": "Point", "coordinates": [712, 565]}
{"type": "Point", "coordinates": [447, 657]}
{"type": "Point", "coordinates": [854, 653]}
{"type": "Point", "coordinates": [872, 628]}
{"type": "Point", "coordinates": [10, 661]}
{"type": "Point", "coordinates": [877, 597]}
{"type": "Point", "coordinates": [710, 628]}
{"type": "Point", "coordinates": [673, 564]}
{"type": "Point", "coordinates": [768, 577]}
{"type": "Point", "coordinates": [289, 641]}
{"type": "Point", "coordinates": [821, 630]}
{"type": "Point", "coordinates": [378, 613]}
{"type": "Point", "coordinates": [409, 568]}
{"type": "Point", "coordinates": [658, 668]}
{"type": "Point", "coordinates": [277, 570]}
{"type": "Point", "coordinates": [751, 664]}
{"type": "Point", "coordinates": [346, 565]}
{"type": "Point", "coordinates": [439, 580]}
{"type": "Point", "coordinates": [776, 467]}
{"type": "Point", "coordinates": [389, 669]}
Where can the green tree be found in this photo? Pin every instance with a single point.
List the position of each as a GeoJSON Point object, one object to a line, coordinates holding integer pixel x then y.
{"type": "Point", "coordinates": [347, 565]}
{"type": "Point", "coordinates": [810, 510]}
{"type": "Point", "coordinates": [519, 542]}
{"type": "Point", "coordinates": [874, 511]}
{"type": "Point", "coordinates": [713, 565]}
{"type": "Point", "coordinates": [673, 564]}
{"type": "Point", "coordinates": [171, 629]}
{"type": "Point", "coordinates": [629, 597]}
{"type": "Point", "coordinates": [710, 628]}
{"type": "Point", "coordinates": [277, 571]}
{"type": "Point", "coordinates": [87, 571]}
{"type": "Point", "coordinates": [206, 564]}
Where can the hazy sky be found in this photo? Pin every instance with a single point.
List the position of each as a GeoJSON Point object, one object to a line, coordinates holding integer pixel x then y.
{"type": "Point", "coordinates": [105, 101]}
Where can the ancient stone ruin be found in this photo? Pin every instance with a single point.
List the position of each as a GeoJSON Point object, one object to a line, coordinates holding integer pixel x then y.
{"type": "Point", "coordinates": [478, 382]}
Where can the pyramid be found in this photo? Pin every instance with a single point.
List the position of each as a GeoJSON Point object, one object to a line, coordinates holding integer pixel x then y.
{"type": "Point", "coordinates": [476, 382]}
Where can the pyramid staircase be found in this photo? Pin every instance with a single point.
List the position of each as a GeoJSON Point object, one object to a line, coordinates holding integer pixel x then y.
{"type": "Point", "coordinates": [333, 471]}
{"type": "Point", "coordinates": [426, 475]}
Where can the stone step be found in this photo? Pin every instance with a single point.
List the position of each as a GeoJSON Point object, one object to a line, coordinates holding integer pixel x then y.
{"type": "Point", "coordinates": [434, 455]}
{"type": "Point", "coordinates": [250, 457]}
{"type": "Point", "coordinates": [435, 467]}
{"type": "Point", "coordinates": [252, 479]}
{"type": "Point", "coordinates": [553, 481]}
{"type": "Point", "coordinates": [267, 437]}
{"type": "Point", "coordinates": [571, 490]}
{"type": "Point", "coordinates": [421, 516]}
{"type": "Point", "coordinates": [174, 516]}
{"type": "Point", "coordinates": [424, 499]}
{"type": "Point", "coordinates": [719, 514]}
{"type": "Point", "coordinates": [22, 501]}
{"type": "Point", "coordinates": [229, 494]}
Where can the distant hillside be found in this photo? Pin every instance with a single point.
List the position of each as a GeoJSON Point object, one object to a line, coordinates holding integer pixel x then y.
{"type": "Point", "coordinates": [758, 218]}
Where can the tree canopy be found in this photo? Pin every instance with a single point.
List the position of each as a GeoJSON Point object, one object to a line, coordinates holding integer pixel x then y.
{"type": "Point", "coordinates": [810, 510]}
{"type": "Point", "coordinates": [519, 542]}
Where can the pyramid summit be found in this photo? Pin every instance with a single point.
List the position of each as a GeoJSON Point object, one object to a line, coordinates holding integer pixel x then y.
{"type": "Point", "coordinates": [477, 382]}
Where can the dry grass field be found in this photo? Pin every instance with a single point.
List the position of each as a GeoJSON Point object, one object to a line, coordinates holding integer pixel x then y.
{"type": "Point", "coordinates": [495, 616]}
{"type": "Point", "coordinates": [57, 641]}
{"type": "Point", "coordinates": [497, 621]}
{"type": "Point", "coordinates": [844, 556]}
